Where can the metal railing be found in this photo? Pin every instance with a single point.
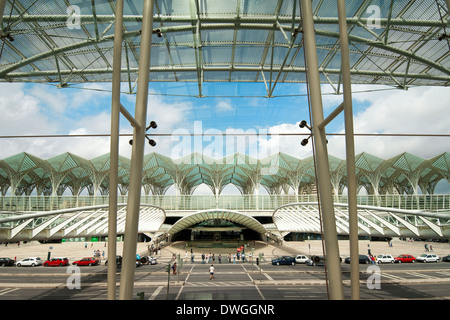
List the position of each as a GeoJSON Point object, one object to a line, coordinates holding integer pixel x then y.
{"type": "Point", "coordinates": [230, 202]}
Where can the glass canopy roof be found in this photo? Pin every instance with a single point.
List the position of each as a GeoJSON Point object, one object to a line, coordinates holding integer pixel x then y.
{"type": "Point", "coordinates": [399, 43]}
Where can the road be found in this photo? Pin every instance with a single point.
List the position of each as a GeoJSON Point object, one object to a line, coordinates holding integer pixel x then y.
{"type": "Point", "coordinates": [243, 282]}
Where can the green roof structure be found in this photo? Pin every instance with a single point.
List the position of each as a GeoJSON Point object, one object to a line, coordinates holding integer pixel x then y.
{"type": "Point", "coordinates": [280, 173]}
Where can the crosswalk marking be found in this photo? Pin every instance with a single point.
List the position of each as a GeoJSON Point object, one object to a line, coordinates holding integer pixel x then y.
{"type": "Point", "coordinates": [426, 276]}
{"type": "Point", "coordinates": [392, 277]}
{"type": "Point", "coordinates": [7, 290]}
{"type": "Point", "coordinates": [220, 284]}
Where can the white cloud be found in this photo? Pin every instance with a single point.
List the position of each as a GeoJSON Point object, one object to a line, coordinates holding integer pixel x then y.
{"type": "Point", "coordinates": [416, 111]}
{"type": "Point", "coordinates": [44, 110]}
{"type": "Point", "coordinates": [224, 106]}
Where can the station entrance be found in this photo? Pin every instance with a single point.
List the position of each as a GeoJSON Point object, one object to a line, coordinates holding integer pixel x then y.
{"type": "Point", "coordinates": [213, 231]}
{"type": "Point", "coordinates": [217, 228]}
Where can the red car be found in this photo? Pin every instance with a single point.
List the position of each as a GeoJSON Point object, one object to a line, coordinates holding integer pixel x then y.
{"type": "Point", "coordinates": [86, 262]}
{"type": "Point", "coordinates": [405, 258]}
{"type": "Point", "coordinates": [56, 262]}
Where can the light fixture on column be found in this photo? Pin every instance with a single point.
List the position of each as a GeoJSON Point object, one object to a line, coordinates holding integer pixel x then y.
{"type": "Point", "coordinates": [303, 124]}
{"type": "Point", "coordinates": [151, 142]}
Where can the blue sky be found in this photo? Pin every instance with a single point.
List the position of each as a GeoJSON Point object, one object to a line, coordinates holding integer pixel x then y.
{"type": "Point", "coordinates": [38, 109]}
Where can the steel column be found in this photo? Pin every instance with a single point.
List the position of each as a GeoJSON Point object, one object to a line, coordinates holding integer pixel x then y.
{"type": "Point", "coordinates": [137, 157]}
{"type": "Point", "coordinates": [114, 150]}
{"type": "Point", "coordinates": [350, 151]}
{"type": "Point", "coordinates": [321, 152]}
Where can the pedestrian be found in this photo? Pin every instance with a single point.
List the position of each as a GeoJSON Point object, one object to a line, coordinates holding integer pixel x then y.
{"type": "Point", "coordinates": [174, 268]}
{"type": "Point", "coordinates": [203, 258]}
{"type": "Point", "coordinates": [431, 248]}
{"type": "Point", "coordinates": [426, 247]}
{"type": "Point", "coordinates": [211, 272]}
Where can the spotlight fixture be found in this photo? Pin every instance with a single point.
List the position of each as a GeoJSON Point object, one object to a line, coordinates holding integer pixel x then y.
{"type": "Point", "coordinates": [295, 32]}
{"type": "Point", "coordinates": [305, 141]}
{"type": "Point", "coordinates": [151, 142]}
{"type": "Point", "coordinates": [443, 36]}
{"type": "Point", "coordinates": [304, 124]}
{"type": "Point", "coordinates": [152, 125]}
{"type": "Point", "coordinates": [158, 32]}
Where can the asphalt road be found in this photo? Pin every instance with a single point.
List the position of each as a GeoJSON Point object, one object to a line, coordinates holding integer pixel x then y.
{"type": "Point", "coordinates": [238, 282]}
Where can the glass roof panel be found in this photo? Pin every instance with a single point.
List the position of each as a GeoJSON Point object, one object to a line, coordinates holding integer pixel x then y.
{"type": "Point", "coordinates": [234, 38]}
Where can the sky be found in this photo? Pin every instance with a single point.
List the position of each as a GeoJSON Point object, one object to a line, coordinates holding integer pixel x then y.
{"type": "Point", "coordinates": [42, 109]}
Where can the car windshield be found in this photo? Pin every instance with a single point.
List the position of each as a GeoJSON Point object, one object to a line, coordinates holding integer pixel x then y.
{"type": "Point", "coordinates": [423, 255]}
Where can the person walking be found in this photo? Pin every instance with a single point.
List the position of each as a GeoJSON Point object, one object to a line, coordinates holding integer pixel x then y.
{"type": "Point", "coordinates": [174, 268]}
{"type": "Point", "coordinates": [211, 272]}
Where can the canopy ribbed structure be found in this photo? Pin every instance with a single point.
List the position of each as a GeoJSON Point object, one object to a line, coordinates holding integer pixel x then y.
{"type": "Point", "coordinates": [397, 43]}
{"type": "Point", "coordinates": [280, 173]}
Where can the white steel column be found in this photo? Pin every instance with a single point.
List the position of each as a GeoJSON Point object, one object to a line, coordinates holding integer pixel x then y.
{"type": "Point", "coordinates": [137, 157]}
{"type": "Point", "coordinates": [114, 150]}
{"type": "Point", "coordinates": [350, 151]}
{"type": "Point", "coordinates": [323, 168]}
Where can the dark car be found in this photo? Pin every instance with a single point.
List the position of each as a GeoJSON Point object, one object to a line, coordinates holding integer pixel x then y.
{"type": "Point", "coordinates": [4, 262]}
{"type": "Point", "coordinates": [363, 259]}
{"type": "Point", "coordinates": [118, 261]}
{"type": "Point", "coordinates": [89, 261]}
{"type": "Point", "coordinates": [318, 261]}
{"type": "Point", "coordinates": [446, 258]}
{"type": "Point", "coordinates": [284, 260]}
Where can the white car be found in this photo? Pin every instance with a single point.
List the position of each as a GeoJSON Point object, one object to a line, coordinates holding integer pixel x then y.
{"type": "Point", "coordinates": [428, 257]}
{"type": "Point", "coordinates": [385, 258]}
{"type": "Point", "coordinates": [29, 262]}
{"type": "Point", "coordinates": [301, 258]}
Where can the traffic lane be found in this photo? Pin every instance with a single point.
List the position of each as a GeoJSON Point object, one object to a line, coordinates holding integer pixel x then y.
{"type": "Point", "coordinates": [389, 291]}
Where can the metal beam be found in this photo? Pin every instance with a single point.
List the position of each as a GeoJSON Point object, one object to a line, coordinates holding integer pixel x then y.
{"type": "Point", "coordinates": [137, 156]}
{"type": "Point", "coordinates": [255, 69]}
{"type": "Point", "coordinates": [350, 151]}
{"type": "Point", "coordinates": [211, 18]}
{"type": "Point", "coordinates": [114, 148]}
{"type": "Point", "coordinates": [321, 153]}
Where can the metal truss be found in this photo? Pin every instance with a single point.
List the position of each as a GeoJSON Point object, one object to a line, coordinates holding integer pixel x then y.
{"type": "Point", "coordinates": [397, 47]}
{"type": "Point", "coordinates": [79, 222]}
{"type": "Point", "coordinates": [372, 221]}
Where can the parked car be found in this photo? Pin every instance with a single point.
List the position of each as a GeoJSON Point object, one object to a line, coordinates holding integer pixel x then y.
{"type": "Point", "coordinates": [118, 261]}
{"type": "Point", "coordinates": [405, 258]}
{"type": "Point", "coordinates": [4, 262]}
{"type": "Point", "coordinates": [316, 261]}
{"type": "Point", "coordinates": [56, 262]}
{"type": "Point", "coordinates": [89, 261]}
{"type": "Point", "coordinates": [284, 260]}
{"type": "Point", "coordinates": [428, 257]}
{"type": "Point", "coordinates": [301, 258]}
{"type": "Point", "coordinates": [363, 259]}
{"type": "Point", "coordinates": [148, 260]}
{"type": "Point", "coordinates": [446, 258]}
{"type": "Point", "coordinates": [29, 262]}
{"type": "Point", "coordinates": [385, 258]}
